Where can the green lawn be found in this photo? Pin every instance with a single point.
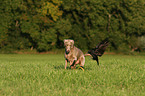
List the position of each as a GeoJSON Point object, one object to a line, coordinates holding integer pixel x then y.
{"type": "Point", "coordinates": [44, 75]}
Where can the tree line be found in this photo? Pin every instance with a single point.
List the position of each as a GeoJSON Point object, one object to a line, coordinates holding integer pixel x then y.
{"type": "Point", "coordinates": [44, 24]}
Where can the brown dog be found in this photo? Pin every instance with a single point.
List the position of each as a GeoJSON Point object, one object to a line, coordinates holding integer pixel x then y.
{"type": "Point", "coordinates": [73, 55]}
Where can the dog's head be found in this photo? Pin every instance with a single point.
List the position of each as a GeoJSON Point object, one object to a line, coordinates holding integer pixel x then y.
{"type": "Point", "coordinates": [69, 44]}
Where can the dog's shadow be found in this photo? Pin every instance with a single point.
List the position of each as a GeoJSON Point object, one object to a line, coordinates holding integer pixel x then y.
{"type": "Point", "coordinates": [60, 67]}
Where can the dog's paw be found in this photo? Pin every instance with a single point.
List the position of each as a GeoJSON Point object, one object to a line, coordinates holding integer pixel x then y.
{"type": "Point", "coordinates": [73, 67]}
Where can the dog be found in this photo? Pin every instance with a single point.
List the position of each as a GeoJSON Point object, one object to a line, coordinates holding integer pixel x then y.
{"type": "Point", "coordinates": [73, 55]}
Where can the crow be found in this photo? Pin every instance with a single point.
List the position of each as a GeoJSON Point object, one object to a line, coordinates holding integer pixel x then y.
{"type": "Point", "coordinates": [98, 50]}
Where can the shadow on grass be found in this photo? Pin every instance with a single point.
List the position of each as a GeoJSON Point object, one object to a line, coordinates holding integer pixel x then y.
{"type": "Point", "coordinates": [60, 67]}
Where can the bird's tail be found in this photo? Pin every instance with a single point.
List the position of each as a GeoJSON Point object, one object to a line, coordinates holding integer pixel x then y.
{"type": "Point", "coordinates": [101, 47]}
{"type": "Point", "coordinates": [103, 44]}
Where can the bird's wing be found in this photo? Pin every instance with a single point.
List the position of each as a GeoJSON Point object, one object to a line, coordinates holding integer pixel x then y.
{"type": "Point", "coordinates": [99, 49]}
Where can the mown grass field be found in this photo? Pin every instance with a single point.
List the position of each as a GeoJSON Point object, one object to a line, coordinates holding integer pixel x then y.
{"type": "Point", "coordinates": [44, 75]}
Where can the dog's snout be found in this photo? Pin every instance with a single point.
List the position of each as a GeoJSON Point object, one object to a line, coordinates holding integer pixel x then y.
{"type": "Point", "coordinates": [68, 50]}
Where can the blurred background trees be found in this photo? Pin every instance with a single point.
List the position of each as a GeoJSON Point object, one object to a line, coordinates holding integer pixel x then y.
{"type": "Point", "coordinates": [44, 24]}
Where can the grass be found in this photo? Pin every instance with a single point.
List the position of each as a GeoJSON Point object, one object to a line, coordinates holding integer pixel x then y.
{"type": "Point", "coordinates": [44, 75]}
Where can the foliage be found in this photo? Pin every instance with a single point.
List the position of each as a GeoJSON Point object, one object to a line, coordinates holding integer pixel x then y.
{"type": "Point", "coordinates": [51, 8]}
{"type": "Point", "coordinates": [141, 43]}
{"type": "Point", "coordinates": [43, 24]}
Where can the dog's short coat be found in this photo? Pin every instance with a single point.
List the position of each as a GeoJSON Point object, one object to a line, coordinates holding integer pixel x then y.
{"type": "Point", "coordinates": [73, 55]}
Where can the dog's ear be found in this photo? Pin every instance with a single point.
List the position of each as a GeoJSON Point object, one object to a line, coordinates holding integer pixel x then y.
{"type": "Point", "coordinates": [72, 43]}
{"type": "Point", "coordinates": [65, 41]}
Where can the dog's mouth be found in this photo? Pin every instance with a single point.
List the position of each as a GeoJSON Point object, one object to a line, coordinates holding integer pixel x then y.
{"type": "Point", "coordinates": [67, 51]}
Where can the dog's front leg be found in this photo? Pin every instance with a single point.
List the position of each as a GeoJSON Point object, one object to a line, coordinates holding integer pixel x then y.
{"type": "Point", "coordinates": [65, 64]}
{"type": "Point", "coordinates": [77, 62]}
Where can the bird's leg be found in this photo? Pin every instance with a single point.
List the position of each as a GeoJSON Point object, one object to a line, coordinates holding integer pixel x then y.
{"type": "Point", "coordinates": [97, 61]}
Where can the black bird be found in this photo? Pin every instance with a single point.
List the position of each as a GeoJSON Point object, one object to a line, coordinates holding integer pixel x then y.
{"type": "Point", "coordinates": [98, 50]}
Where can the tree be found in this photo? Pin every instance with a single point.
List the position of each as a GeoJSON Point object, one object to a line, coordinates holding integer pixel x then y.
{"type": "Point", "coordinates": [44, 24]}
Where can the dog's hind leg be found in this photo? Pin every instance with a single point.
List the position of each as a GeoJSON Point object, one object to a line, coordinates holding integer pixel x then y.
{"type": "Point", "coordinates": [82, 61]}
